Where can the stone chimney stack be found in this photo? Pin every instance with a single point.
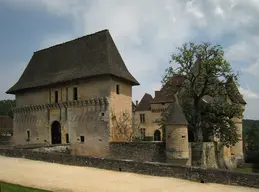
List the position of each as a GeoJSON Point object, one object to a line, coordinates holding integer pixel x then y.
{"type": "Point", "coordinates": [136, 102]}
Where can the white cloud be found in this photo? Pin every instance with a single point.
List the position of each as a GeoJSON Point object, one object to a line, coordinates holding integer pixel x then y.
{"type": "Point", "coordinates": [147, 31]}
{"type": "Point", "coordinates": [248, 93]}
{"type": "Point", "coordinates": [253, 69]}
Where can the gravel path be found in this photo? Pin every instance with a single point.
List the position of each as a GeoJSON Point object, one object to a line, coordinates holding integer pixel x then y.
{"type": "Point", "coordinates": [57, 177]}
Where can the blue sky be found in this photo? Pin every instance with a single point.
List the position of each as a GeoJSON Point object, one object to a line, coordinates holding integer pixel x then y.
{"type": "Point", "coordinates": [146, 33]}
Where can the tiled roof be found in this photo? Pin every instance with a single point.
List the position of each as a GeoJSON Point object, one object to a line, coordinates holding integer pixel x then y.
{"type": "Point", "coordinates": [175, 114]}
{"type": "Point", "coordinates": [166, 94]}
{"type": "Point", "coordinates": [87, 56]}
{"type": "Point", "coordinates": [144, 104]}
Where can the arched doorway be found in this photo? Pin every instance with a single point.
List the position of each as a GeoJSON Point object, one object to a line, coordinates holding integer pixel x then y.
{"type": "Point", "coordinates": [56, 133]}
{"type": "Point", "coordinates": [157, 135]}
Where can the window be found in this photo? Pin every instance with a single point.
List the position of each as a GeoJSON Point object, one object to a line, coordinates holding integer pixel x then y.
{"type": "Point", "coordinates": [142, 118]}
{"type": "Point", "coordinates": [75, 93]}
{"type": "Point", "coordinates": [82, 139]}
{"type": "Point", "coordinates": [67, 138]}
{"type": "Point", "coordinates": [143, 133]}
{"type": "Point", "coordinates": [28, 135]}
{"type": "Point", "coordinates": [118, 89]}
{"type": "Point", "coordinates": [56, 96]}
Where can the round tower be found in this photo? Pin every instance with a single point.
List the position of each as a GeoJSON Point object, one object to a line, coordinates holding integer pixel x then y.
{"type": "Point", "coordinates": [177, 146]}
{"type": "Point", "coordinates": [237, 149]}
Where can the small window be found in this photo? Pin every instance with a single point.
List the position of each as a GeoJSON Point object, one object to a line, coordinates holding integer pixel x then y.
{"type": "Point", "coordinates": [75, 93]}
{"type": "Point", "coordinates": [28, 135]}
{"type": "Point", "coordinates": [102, 114]}
{"type": "Point", "coordinates": [82, 139]}
{"type": "Point", "coordinates": [118, 89]}
{"type": "Point", "coordinates": [142, 118]}
{"type": "Point", "coordinates": [67, 138]}
{"type": "Point", "coordinates": [163, 103]}
{"type": "Point", "coordinates": [56, 96]}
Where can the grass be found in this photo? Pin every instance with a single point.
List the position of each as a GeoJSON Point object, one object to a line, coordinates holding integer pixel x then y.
{"type": "Point", "coordinates": [8, 187]}
{"type": "Point", "coordinates": [246, 170]}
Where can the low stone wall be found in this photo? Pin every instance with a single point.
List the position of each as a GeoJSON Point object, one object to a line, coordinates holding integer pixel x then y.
{"type": "Point", "coordinates": [6, 140]}
{"type": "Point", "coordinates": [149, 168]}
{"type": "Point", "coordinates": [54, 149]}
{"type": "Point", "coordinates": [139, 151]}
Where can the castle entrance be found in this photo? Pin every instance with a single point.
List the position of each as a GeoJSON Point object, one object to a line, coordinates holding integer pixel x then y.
{"type": "Point", "coordinates": [157, 135]}
{"type": "Point", "coordinates": [56, 133]}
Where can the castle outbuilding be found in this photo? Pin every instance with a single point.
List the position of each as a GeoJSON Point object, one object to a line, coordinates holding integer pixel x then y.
{"type": "Point", "coordinates": [69, 92]}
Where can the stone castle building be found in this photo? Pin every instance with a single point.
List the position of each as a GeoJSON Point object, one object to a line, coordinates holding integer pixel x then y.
{"type": "Point", "coordinates": [77, 91]}
{"type": "Point", "coordinates": [177, 134]}
{"type": "Point", "coordinates": [71, 93]}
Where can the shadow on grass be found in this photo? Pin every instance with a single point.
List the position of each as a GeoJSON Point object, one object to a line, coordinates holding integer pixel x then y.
{"type": "Point", "coordinates": [8, 187]}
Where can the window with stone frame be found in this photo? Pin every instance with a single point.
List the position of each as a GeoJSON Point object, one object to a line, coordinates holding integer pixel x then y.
{"type": "Point", "coordinates": [118, 89]}
{"type": "Point", "coordinates": [56, 96]}
{"type": "Point", "coordinates": [28, 135]}
{"type": "Point", "coordinates": [75, 93]}
{"type": "Point", "coordinates": [142, 118]}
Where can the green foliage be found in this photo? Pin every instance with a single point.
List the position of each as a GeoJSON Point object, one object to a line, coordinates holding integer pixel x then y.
{"type": "Point", "coordinates": [251, 143]}
{"type": "Point", "coordinates": [207, 75]}
{"type": "Point", "coordinates": [5, 107]}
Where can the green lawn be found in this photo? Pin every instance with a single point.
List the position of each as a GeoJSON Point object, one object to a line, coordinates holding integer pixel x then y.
{"type": "Point", "coordinates": [7, 187]}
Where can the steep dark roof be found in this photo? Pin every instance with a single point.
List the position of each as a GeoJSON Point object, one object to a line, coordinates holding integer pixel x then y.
{"type": "Point", "coordinates": [166, 94]}
{"type": "Point", "coordinates": [144, 104]}
{"type": "Point", "coordinates": [233, 92]}
{"type": "Point", "coordinates": [87, 56]}
{"type": "Point", "coordinates": [175, 114]}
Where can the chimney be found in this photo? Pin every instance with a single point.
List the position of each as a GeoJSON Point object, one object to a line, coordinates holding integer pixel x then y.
{"type": "Point", "coordinates": [136, 102]}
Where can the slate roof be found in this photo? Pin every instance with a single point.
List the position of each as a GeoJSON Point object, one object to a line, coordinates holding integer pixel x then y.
{"type": "Point", "coordinates": [145, 103]}
{"type": "Point", "coordinates": [6, 124]}
{"type": "Point", "coordinates": [166, 94]}
{"type": "Point", "coordinates": [91, 55]}
{"type": "Point", "coordinates": [175, 114]}
{"type": "Point", "coordinates": [233, 92]}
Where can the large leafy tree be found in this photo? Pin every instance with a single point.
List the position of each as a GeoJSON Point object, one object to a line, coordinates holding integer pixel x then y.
{"type": "Point", "coordinates": [204, 93]}
{"type": "Point", "coordinates": [5, 107]}
{"type": "Point", "coordinates": [252, 143]}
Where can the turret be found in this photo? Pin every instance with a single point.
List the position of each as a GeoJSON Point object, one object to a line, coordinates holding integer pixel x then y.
{"type": "Point", "coordinates": [177, 149]}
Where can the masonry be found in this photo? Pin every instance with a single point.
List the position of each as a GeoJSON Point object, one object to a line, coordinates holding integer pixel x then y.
{"type": "Point", "coordinates": [149, 168]}
{"type": "Point", "coordinates": [139, 151]}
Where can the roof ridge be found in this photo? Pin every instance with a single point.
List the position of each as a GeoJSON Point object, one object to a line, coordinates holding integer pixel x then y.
{"type": "Point", "coordinates": [75, 39]}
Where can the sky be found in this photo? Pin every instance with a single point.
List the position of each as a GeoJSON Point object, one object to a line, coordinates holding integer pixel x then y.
{"type": "Point", "coordinates": [146, 33]}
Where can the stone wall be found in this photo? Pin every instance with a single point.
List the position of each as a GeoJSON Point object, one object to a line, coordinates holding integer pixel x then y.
{"type": "Point", "coordinates": [149, 168]}
{"type": "Point", "coordinates": [139, 151]}
{"type": "Point", "coordinates": [203, 155]}
{"type": "Point", "coordinates": [6, 140]}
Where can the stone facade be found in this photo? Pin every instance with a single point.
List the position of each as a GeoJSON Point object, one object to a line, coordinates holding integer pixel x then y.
{"type": "Point", "coordinates": [85, 121]}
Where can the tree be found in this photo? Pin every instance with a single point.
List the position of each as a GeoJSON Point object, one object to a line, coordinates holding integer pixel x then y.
{"type": "Point", "coordinates": [204, 94]}
{"type": "Point", "coordinates": [5, 107]}
{"type": "Point", "coordinates": [252, 144]}
{"type": "Point", "coordinates": [123, 127]}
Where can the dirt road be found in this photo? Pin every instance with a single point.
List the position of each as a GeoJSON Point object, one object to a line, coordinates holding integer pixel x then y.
{"type": "Point", "coordinates": [65, 178]}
